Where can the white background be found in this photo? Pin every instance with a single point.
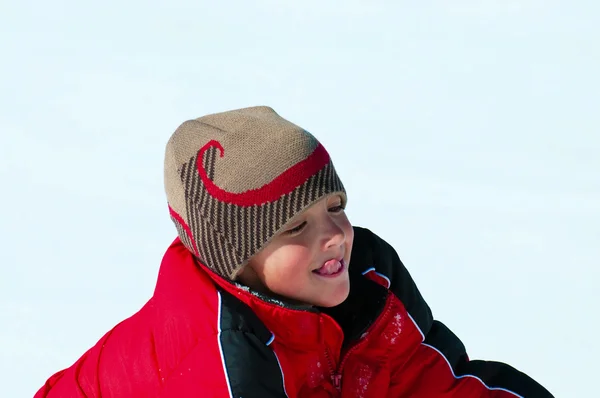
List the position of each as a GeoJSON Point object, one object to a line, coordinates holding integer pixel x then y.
{"type": "Point", "coordinates": [466, 133]}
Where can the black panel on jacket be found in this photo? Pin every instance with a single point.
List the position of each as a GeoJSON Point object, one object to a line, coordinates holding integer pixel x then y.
{"type": "Point", "coordinates": [252, 367]}
{"type": "Point", "coordinates": [363, 306]}
{"type": "Point", "coordinates": [369, 250]}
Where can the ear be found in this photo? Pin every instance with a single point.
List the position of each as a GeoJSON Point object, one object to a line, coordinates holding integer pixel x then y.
{"type": "Point", "coordinates": [248, 276]}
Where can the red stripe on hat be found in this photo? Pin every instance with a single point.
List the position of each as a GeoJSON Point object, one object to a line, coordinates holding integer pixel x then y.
{"type": "Point", "coordinates": [281, 185]}
{"type": "Point", "coordinates": [186, 227]}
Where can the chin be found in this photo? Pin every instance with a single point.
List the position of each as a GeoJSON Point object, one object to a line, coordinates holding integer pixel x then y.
{"type": "Point", "coordinates": [334, 298]}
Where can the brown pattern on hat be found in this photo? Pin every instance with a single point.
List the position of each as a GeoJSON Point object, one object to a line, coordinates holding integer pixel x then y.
{"type": "Point", "coordinates": [246, 174]}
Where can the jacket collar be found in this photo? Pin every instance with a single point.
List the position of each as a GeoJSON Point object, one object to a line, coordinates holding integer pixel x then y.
{"type": "Point", "coordinates": [303, 327]}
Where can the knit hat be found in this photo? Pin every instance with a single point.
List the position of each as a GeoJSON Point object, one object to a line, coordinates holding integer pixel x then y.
{"type": "Point", "coordinates": [234, 179]}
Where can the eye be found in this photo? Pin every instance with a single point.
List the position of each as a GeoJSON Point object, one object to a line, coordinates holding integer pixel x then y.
{"type": "Point", "coordinates": [296, 229]}
{"type": "Point", "coordinates": [336, 209]}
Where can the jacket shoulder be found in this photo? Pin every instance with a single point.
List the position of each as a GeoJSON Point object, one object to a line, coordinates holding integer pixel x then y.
{"type": "Point", "coordinates": [376, 259]}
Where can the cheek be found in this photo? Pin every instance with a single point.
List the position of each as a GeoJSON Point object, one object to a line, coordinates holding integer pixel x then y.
{"type": "Point", "coordinates": [287, 264]}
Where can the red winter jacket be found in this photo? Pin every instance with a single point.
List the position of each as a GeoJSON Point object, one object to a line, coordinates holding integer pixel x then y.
{"type": "Point", "coordinates": [202, 336]}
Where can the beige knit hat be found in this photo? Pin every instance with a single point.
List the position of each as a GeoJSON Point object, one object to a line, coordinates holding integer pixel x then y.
{"type": "Point", "coordinates": [233, 180]}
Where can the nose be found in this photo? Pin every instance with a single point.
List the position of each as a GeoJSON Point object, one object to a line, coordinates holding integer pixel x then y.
{"type": "Point", "coordinates": [333, 235]}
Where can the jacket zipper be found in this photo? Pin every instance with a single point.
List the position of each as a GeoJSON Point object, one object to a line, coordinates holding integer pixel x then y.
{"type": "Point", "coordinates": [336, 379]}
{"type": "Point", "coordinates": [336, 375]}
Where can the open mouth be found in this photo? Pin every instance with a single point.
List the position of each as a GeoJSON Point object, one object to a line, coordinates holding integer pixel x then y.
{"type": "Point", "coordinates": [331, 268]}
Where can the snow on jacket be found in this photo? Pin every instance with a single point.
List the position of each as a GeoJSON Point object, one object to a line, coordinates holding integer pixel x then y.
{"type": "Point", "coordinates": [202, 336]}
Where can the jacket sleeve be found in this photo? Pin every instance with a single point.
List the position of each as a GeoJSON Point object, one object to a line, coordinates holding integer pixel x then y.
{"type": "Point", "coordinates": [440, 345]}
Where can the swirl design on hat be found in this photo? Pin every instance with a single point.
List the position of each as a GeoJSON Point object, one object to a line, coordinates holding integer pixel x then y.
{"type": "Point", "coordinates": [281, 185]}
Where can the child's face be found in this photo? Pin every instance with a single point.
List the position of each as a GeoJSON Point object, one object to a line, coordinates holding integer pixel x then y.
{"type": "Point", "coordinates": [308, 261]}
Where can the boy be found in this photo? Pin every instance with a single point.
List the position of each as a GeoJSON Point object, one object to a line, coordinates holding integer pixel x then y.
{"type": "Point", "coordinates": [270, 292]}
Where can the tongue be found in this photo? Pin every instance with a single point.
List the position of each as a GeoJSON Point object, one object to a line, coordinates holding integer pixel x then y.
{"type": "Point", "coordinates": [330, 267]}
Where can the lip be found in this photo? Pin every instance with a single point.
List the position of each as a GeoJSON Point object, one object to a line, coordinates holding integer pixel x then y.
{"type": "Point", "coordinates": [340, 259]}
{"type": "Point", "coordinates": [340, 271]}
